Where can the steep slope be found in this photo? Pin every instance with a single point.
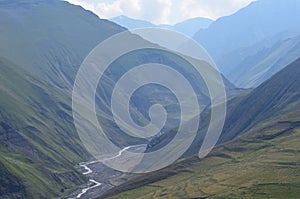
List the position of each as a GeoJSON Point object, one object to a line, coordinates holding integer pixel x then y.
{"type": "Point", "coordinates": [10, 184]}
{"type": "Point", "coordinates": [264, 164]}
{"type": "Point", "coordinates": [39, 144]}
{"type": "Point", "coordinates": [262, 60]}
{"type": "Point", "coordinates": [50, 38]}
{"type": "Point", "coordinates": [259, 155]}
{"type": "Point", "coordinates": [250, 25]}
{"type": "Point", "coordinates": [233, 41]}
{"type": "Point", "coordinates": [274, 98]}
{"type": "Point", "coordinates": [43, 43]}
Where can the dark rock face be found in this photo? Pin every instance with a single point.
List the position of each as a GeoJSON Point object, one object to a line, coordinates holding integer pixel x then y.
{"type": "Point", "coordinates": [12, 140]}
{"type": "Point", "coordinates": [11, 186]}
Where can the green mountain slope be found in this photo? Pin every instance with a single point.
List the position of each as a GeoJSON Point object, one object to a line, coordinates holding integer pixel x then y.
{"type": "Point", "coordinates": [274, 98]}
{"type": "Point", "coordinates": [259, 156]}
{"type": "Point", "coordinates": [39, 144]}
{"type": "Point", "coordinates": [42, 46]}
{"type": "Point", "coordinates": [51, 38]}
{"type": "Point", "coordinates": [43, 43]}
{"type": "Point", "coordinates": [264, 164]}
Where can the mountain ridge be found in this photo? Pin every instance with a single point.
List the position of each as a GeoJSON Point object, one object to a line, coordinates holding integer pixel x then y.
{"type": "Point", "coordinates": [43, 46]}
{"type": "Point", "coordinates": [232, 39]}
{"type": "Point", "coordinates": [242, 162]}
{"type": "Point", "coordinates": [188, 27]}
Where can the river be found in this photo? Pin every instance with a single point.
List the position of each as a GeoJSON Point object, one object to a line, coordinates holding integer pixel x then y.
{"type": "Point", "coordinates": [99, 175]}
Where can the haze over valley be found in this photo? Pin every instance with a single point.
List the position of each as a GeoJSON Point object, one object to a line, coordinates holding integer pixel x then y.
{"type": "Point", "coordinates": [207, 106]}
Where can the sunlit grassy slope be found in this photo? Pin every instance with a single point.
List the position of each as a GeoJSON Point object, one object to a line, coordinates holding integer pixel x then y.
{"type": "Point", "coordinates": [262, 164]}
{"type": "Point", "coordinates": [259, 156]}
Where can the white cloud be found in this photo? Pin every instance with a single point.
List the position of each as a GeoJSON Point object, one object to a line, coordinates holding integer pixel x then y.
{"type": "Point", "coordinates": [104, 10]}
{"type": "Point", "coordinates": [162, 11]}
{"type": "Point", "coordinates": [84, 4]}
{"type": "Point", "coordinates": [118, 7]}
{"type": "Point", "coordinates": [156, 11]}
{"type": "Point", "coordinates": [211, 9]}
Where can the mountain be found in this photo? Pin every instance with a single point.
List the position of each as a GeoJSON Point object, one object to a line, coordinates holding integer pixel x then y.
{"type": "Point", "coordinates": [261, 60]}
{"type": "Point", "coordinates": [258, 153]}
{"type": "Point", "coordinates": [188, 27]}
{"type": "Point", "coordinates": [38, 142]}
{"type": "Point", "coordinates": [274, 98]}
{"type": "Point", "coordinates": [131, 23]}
{"type": "Point", "coordinates": [244, 32]}
{"type": "Point", "coordinates": [43, 43]}
{"type": "Point", "coordinates": [51, 47]}
{"type": "Point", "coordinates": [264, 165]}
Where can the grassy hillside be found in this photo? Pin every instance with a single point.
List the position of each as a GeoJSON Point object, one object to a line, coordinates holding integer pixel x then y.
{"type": "Point", "coordinates": [276, 97]}
{"type": "Point", "coordinates": [43, 43]}
{"type": "Point", "coordinates": [39, 145]}
{"type": "Point", "coordinates": [262, 164]}
{"type": "Point", "coordinates": [50, 38]}
{"type": "Point", "coordinates": [258, 156]}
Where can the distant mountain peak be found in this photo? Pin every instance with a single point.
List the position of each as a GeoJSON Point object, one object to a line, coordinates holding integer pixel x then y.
{"type": "Point", "coordinates": [233, 40]}
{"type": "Point", "coordinates": [188, 27]}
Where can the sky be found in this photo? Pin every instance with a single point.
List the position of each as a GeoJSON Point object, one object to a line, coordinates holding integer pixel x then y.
{"type": "Point", "coordinates": [162, 11]}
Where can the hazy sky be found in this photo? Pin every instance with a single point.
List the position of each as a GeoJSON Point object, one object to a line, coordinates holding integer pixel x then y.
{"type": "Point", "coordinates": [162, 11]}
